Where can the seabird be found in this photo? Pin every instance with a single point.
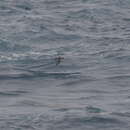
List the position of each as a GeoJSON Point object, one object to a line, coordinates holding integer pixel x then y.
{"type": "Point", "coordinates": [58, 59]}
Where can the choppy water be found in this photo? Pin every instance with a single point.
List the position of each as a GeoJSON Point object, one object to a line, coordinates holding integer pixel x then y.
{"type": "Point", "coordinates": [89, 89]}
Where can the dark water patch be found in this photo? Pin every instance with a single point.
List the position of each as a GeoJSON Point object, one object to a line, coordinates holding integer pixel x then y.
{"type": "Point", "coordinates": [62, 109]}
{"type": "Point", "coordinates": [34, 74]}
{"type": "Point", "coordinates": [21, 91]}
{"type": "Point", "coordinates": [127, 19]}
{"type": "Point", "coordinates": [24, 6]}
{"type": "Point", "coordinates": [85, 1]}
{"type": "Point", "coordinates": [60, 75]}
{"type": "Point", "coordinates": [4, 8]}
{"type": "Point", "coordinates": [8, 94]}
{"type": "Point", "coordinates": [67, 109]}
{"type": "Point", "coordinates": [12, 93]}
{"type": "Point", "coordinates": [15, 76]}
{"type": "Point", "coordinates": [97, 91]}
{"type": "Point", "coordinates": [82, 80]}
{"type": "Point", "coordinates": [92, 109]}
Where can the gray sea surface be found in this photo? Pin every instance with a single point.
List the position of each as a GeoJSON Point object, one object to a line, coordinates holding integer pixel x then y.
{"type": "Point", "coordinates": [89, 89]}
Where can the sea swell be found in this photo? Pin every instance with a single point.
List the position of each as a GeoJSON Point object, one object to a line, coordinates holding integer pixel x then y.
{"type": "Point", "coordinates": [89, 86]}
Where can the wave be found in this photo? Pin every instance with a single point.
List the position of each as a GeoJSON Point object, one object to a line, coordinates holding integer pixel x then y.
{"type": "Point", "coordinates": [6, 46]}
{"type": "Point", "coordinates": [12, 93]}
{"type": "Point", "coordinates": [118, 77]}
{"type": "Point", "coordinates": [39, 121]}
{"type": "Point", "coordinates": [37, 74]}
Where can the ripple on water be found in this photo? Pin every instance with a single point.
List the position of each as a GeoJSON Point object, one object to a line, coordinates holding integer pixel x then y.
{"type": "Point", "coordinates": [12, 93]}
{"type": "Point", "coordinates": [35, 121]}
{"type": "Point", "coordinates": [93, 37]}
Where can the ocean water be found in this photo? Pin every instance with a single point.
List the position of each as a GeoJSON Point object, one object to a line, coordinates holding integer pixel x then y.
{"type": "Point", "coordinates": [89, 89]}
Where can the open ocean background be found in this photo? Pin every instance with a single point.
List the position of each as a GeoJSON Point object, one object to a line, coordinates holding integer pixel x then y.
{"type": "Point", "coordinates": [90, 89]}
